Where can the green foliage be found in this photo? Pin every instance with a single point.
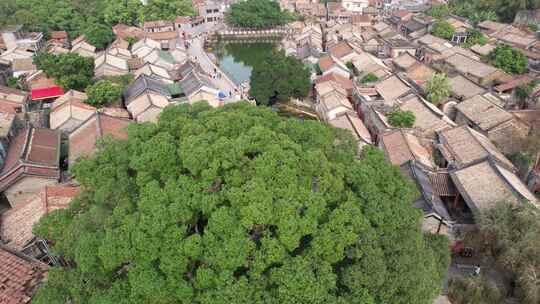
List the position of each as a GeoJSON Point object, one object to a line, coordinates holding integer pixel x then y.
{"type": "Point", "coordinates": [126, 12]}
{"type": "Point", "coordinates": [131, 40]}
{"type": "Point", "coordinates": [166, 9]}
{"type": "Point", "coordinates": [102, 93]}
{"type": "Point", "coordinates": [511, 233]}
{"type": "Point", "coordinates": [475, 37]}
{"type": "Point", "coordinates": [443, 29]}
{"type": "Point", "coordinates": [508, 59]}
{"type": "Point", "coordinates": [258, 14]}
{"type": "Point", "coordinates": [12, 82]}
{"type": "Point", "coordinates": [238, 205]}
{"type": "Point", "coordinates": [352, 68]}
{"type": "Point", "coordinates": [533, 27]}
{"type": "Point", "coordinates": [474, 290]}
{"type": "Point", "coordinates": [473, 10]}
{"type": "Point", "coordinates": [522, 161]}
{"type": "Point", "coordinates": [438, 88]}
{"type": "Point", "coordinates": [401, 119]}
{"type": "Point", "coordinates": [77, 16]}
{"type": "Point", "coordinates": [369, 77]}
{"type": "Point", "coordinates": [524, 92]}
{"type": "Point", "coordinates": [71, 71]}
{"type": "Point", "coordinates": [438, 11]}
{"type": "Point", "coordinates": [108, 90]}
{"type": "Point", "coordinates": [278, 78]}
{"type": "Point", "coordinates": [99, 35]}
{"type": "Point", "coordinates": [317, 69]}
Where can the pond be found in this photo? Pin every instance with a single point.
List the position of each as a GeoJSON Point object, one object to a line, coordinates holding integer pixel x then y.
{"type": "Point", "coordinates": [238, 59]}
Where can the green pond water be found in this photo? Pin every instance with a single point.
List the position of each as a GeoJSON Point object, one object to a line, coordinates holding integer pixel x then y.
{"type": "Point", "coordinates": [238, 59]}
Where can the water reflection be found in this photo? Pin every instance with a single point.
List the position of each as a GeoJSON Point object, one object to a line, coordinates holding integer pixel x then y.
{"type": "Point", "coordinates": [238, 59]}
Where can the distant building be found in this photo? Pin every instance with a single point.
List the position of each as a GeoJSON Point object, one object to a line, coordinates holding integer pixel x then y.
{"type": "Point", "coordinates": [15, 37]}
{"type": "Point", "coordinates": [32, 162]}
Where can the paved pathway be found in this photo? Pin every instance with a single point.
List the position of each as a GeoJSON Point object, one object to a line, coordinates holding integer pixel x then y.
{"type": "Point", "coordinates": [223, 83]}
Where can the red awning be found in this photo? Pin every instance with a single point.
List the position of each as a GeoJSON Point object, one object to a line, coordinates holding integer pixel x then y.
{"type": "Point", "coordinates": [46, 93]}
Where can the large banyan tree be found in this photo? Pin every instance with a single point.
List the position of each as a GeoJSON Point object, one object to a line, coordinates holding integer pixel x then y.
{"type": "Point", "coordinates": [239, 205]}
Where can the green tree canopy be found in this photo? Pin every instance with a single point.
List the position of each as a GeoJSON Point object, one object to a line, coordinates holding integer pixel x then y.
{"type": "Point", "coordinates": [78, 16]}
{"type": "Point", "coordinates": [438, 11]}
{"type": "Point", "coordinates": [126, 12]}
{"type": "Point", "coordinates": [278, 78]}
{"type": "Point", "coordinates": [166, 9]}
{"type": "Point", "coordinates": [71, 71]}
{"type": "Point", "coordinates": [508, 59]}
{"type": "Point", "coordinates": [369, 77]}
{"type": "Point", "coordinates": [475, 37]}
{"type": "Point", "coordinates": [258, 14]}
{"type": "Point", "coordinates": [103, 92]}
{"type": "Point", "coordinates": [511, 233]}
{"type": "Point", "coordinates": [99, 35]}
{"type": "Point", "coordinates": [443, 29]}
{"type": "Point", "coordinates": [438, 88]}
{"type": "Point", "coordinates": [401, 119]}
{"type": "Point", "coordinates": [239, 205]}
{"type": "Point", "coordinates": [474, 290]}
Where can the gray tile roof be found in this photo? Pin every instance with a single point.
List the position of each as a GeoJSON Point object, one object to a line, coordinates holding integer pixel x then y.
{"type": "Point", "coordinates": [142, 84]}
{"type": "Point", "coordinates": [194, 81]}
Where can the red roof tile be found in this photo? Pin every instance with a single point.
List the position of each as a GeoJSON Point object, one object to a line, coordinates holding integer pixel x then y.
{"type": "Point", "coordinates": [82, 141]}
{"type": "Point", "coordinates": [32, 152]}
{"type": "Point", "coordinates": [58, 35]}
{"type": "Point", "coordinates": [58, 197]}
{"type": "Point", "coordinates": [20, 276]}
{"type": "Point", "coordinates": [346, 83]}
{"type": "Point", "coordinates": [46, 93]}
{"type": "Point", "coordinates": [341, 50]}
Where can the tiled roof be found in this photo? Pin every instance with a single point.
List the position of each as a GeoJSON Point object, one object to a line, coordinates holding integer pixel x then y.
{"type": "Point", "coordinates": [124, 31]}
{"type": "Point", "coordinates": [405, 61]}
{"type": "Point", "coordinates": [20, 277]}
{"type": "Point", "coordinates": [70, 110]}
{"type": "Point", "coordinates": [464, 88]}
{"type": "Point", "coordinates": [157, 23]}
{"type": "Point", "coordinates": [442, 183]}
{"type": "Point", "coordinates": [12, 95]}
{"type": "Point", "coordinates": [16, 223]}
{"type": "Point", "coordinates": [350, 121]}
{"type": "Point", "coordinates": [467, 65]}
{"type": "Point", "coordinates": [483, 113]}
{"type": "Point", "coordinates": [430, 201]}
{"type": "Point", "coordinates": [82, 141]}
{"type": "Point", "coordinates": [342, 49]}
{"type": "Point", "coordinates": [401, 146]}
{"type": "Point", "coordinates": [346, 83]}
{"type": "Point", "coordinates": [162, 35]}
{"type": "Point", "coordinates": [514, 83]}
{"type": "Point", "coordinates": [58, 196]}
{"type": "Point", "coordinates": [428, 118]}
{"type": "Point", "coordinates": [142, 84]}
{"type": "Point", "coordinates": [194, 81]}
{"type": "Point", "coordinates": [32, 152]}
{"type": "Point", "coordinates": [485, 184]}
{"type": "Point", "coordinates": [463, 146]}
{"type": "Point", "coordinates": [58, 35]}
{"type": "Point", "coordinates": [392, 88]}
{"type": "Point", "coordinates": [326, 63]}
